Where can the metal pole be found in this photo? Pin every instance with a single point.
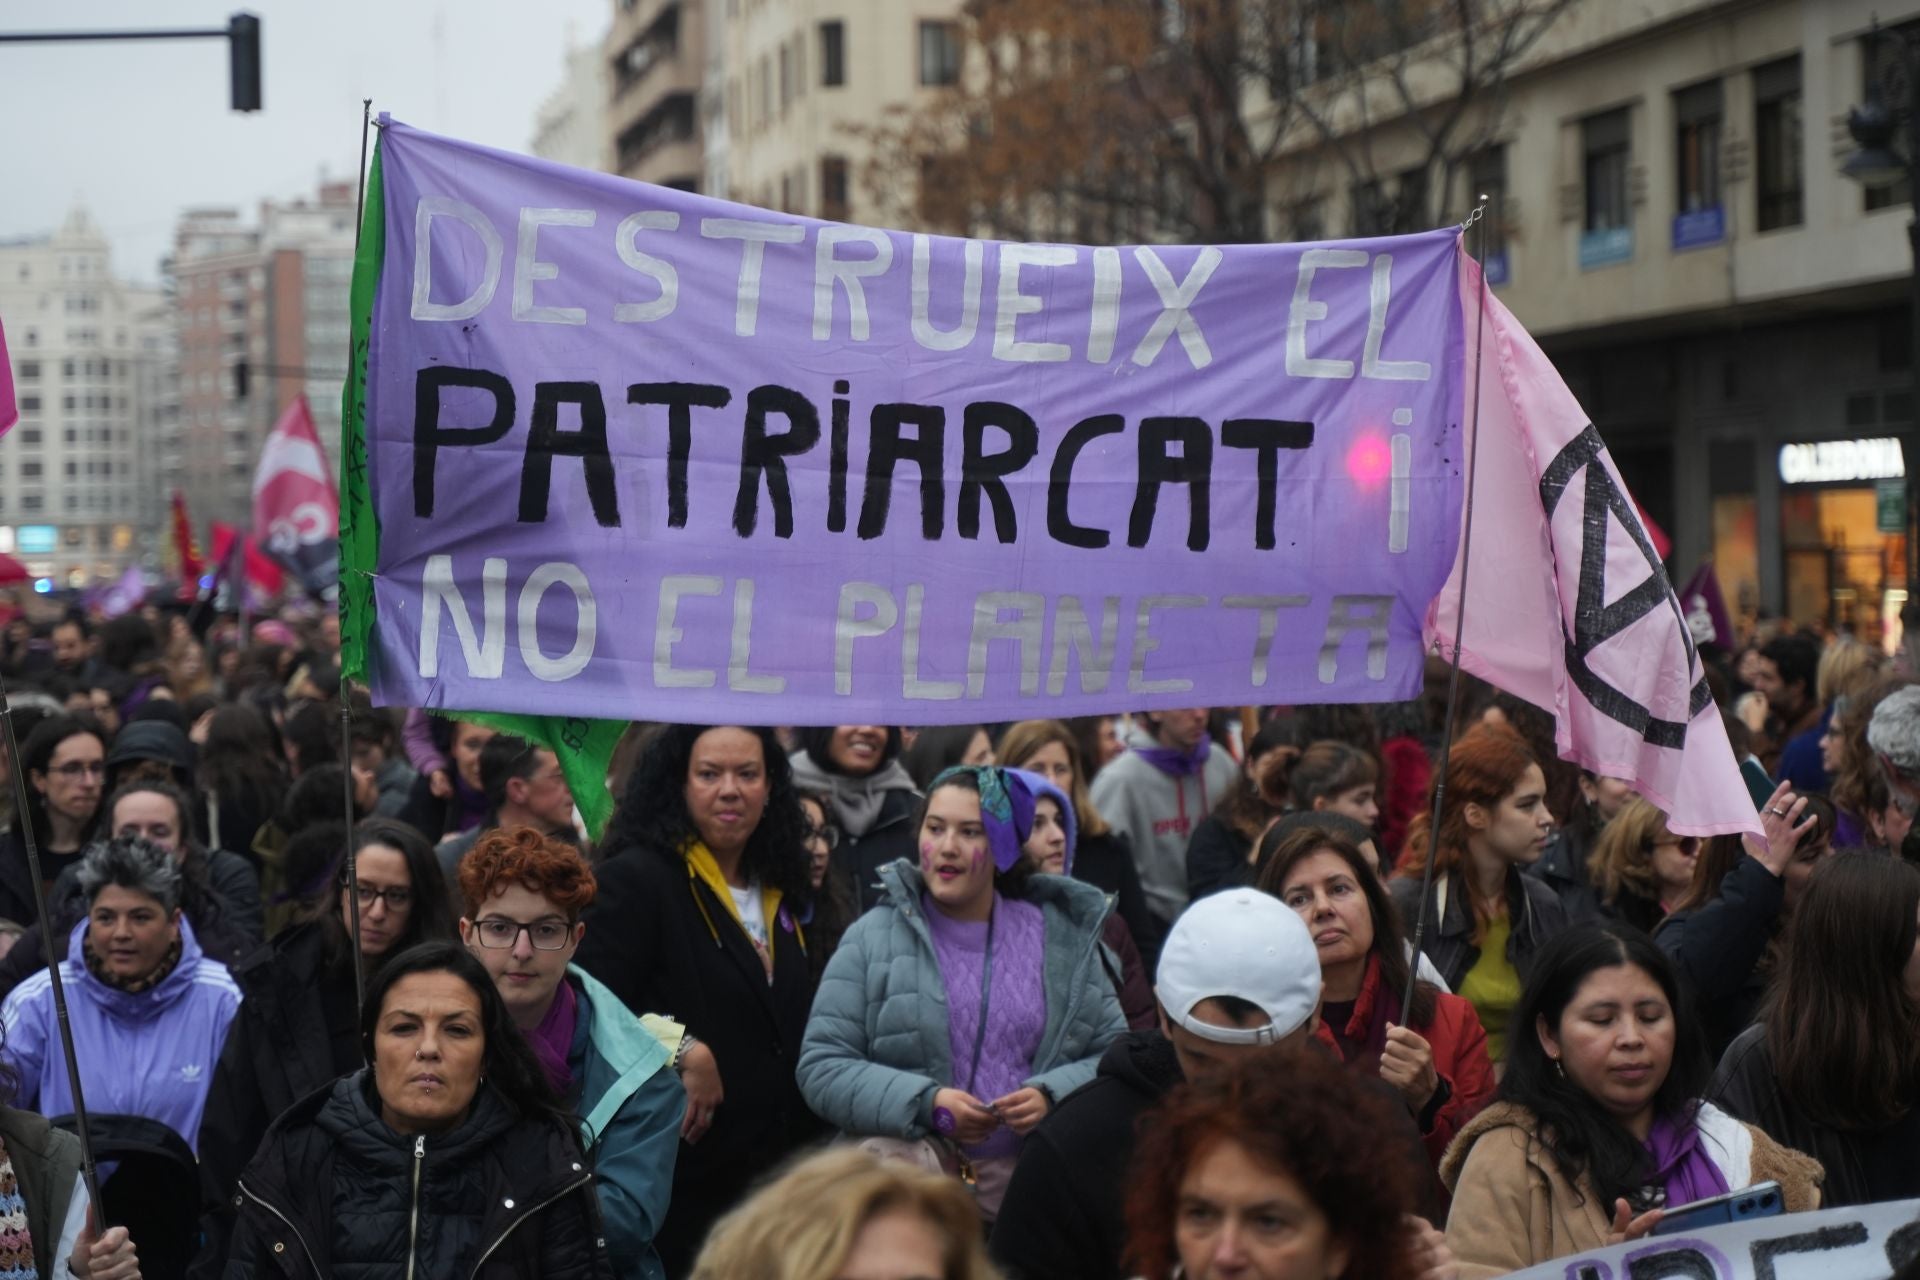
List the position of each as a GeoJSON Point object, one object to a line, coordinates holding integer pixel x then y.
{"type": "Point", "coordinates": [1911, 52]}
{"type": "Point", "coordinates": [1479, 216]}
{"type": "Point", "coordinates": [53, 964]}
{"type": "Point", "coordinates": [346, 710]}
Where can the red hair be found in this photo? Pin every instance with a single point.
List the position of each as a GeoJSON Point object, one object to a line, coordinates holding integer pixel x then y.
{"type": "Point", "coordinates": [1295, 1111]}
{"type": "Point", "coordinates": [539, 864]}
{"type": "Point", "coordinates": [1483, 768]}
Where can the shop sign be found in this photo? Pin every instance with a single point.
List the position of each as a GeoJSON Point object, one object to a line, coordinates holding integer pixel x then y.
{"type": "Point", "coordinates": [1841, 461]}
{"type": "Point", "coordinates": [37, 539]}
{"type": "Point", "coordinates": [1890, 506]}
{"type": "Point", "coordinates": [1699, 228]}
{"type": "Point", "coordinates": [1606, 248]}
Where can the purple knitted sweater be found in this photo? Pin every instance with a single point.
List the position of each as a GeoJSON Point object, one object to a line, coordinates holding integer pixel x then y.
{"type": "Point", "coordinates": [1017, 1007]}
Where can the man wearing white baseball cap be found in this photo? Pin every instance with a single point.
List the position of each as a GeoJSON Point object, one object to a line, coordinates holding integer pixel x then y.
{"type": "Point", "coordinates": [1238, 975]}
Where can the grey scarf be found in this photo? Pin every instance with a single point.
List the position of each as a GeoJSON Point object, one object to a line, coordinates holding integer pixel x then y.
{"type": "Point", "coordinates": [857, 802]}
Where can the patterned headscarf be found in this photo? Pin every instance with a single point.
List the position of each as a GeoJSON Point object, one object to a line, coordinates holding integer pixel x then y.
{"type": "Point", "coordinates": [1006, 809]}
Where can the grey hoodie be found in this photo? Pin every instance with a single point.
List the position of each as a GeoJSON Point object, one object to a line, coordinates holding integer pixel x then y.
{"type": "Point", "coordinates": [1158, 812]}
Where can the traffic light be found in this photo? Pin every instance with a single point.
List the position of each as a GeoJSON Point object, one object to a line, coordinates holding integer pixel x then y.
{"type": "Point", "coordinates": [243, 59]}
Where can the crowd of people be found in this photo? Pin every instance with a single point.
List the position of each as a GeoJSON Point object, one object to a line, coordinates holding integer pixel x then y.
{"type": "Point", "coordinates": [1124, 997]}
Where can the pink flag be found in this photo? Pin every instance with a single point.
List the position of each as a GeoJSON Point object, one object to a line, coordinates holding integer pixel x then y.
{"type": "Point", "coordinates": [1568, 604]}
{"type": "Point", "coordinates": [9, 407]}
{"type": "Point", "coordinates": [296, 512]}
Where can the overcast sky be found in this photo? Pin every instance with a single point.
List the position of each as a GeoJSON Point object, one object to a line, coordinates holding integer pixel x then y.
{"type": "Point", "coordinates": [137, 132]}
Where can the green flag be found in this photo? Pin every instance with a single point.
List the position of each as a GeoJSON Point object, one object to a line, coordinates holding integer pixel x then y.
{"type": "Point", "coordinates": [583, 747]}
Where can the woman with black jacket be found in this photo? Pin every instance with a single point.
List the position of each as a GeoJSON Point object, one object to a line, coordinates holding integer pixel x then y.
{"type": "Point", "coordinates": [448, 1156]}
{"type": "Point", "coordinates": [1725, 936]}
{"type": "Point", "coordinates": [698, 917]}
{"type": "Point", "coordinates": [298, 1027]}
{"type": "Point", "coordinates": [1484, 919]}
{"type": "Point", "coordinates": [874, 800]}
{"type": "Point", "coordinates": [1833, 1066]}
{"type": "Point", "coordinates": [239, 777]}
{"type": "Point", "coordinates": [65, 758]}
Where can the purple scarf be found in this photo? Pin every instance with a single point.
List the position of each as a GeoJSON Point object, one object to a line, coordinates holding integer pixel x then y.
{"type": "Point", "coordinates": [1176, 763]}
{"type": "Point", "coordinates": [1680, 1165]}
{"type": "Point", "coordinates": [554, 1037]}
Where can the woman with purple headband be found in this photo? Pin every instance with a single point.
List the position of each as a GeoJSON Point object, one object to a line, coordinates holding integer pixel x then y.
{"type": "Point", "coordinates": [964, 1006]}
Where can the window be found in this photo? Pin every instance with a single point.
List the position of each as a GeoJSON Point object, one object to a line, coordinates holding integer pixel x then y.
{"type": "Point", "coordinates": [833, 54]}
{"type": "Point", "coordinates": [939, 53]}
{"type": "Point", "coordinates": [1776, 130]}
{"type": "Point", "coordinates": [1696, 147]}
{"type": "Point", "coordinates": [1606, 147]}
{"type": "Point", "coordinates": [29, 404]}
{"type": "Point", "coordinates": [833, 188]}
{"type": "Point", "coordinates": [1875, 57]}
{"type": "Point", "coordinates": [29, 370]}
{"type": "Point", "coordinates": [786, 78]}
{"type": "Point", "coordinates": [1307, 220]}
{"type": "Point", "coordinates": [29, 435]}
{"type": "Point", "coordinates": [30, 469]}
{"type": "Point", "coordinates": [30, 502]}
{"type": "Point", "coordinates": [1370, 209]}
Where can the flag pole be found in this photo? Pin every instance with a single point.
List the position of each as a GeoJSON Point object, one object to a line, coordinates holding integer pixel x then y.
{"type": "Point", "coordinates": [61, 1018]}
{"type": "Point", "coordinates": [346, 705]}
{"type": "Point", "coordinates": [1479, 217]}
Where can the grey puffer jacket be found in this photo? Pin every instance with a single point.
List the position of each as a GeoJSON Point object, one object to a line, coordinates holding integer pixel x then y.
{"type": "Point", "coordinates": [877, 1046]}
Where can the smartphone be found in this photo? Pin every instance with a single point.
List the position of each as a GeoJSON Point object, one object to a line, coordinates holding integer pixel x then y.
{"type": "Point", "coordinates": [1762, 1200]}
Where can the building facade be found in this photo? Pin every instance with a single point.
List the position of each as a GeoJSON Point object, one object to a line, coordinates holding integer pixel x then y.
{"type": "Point", "coordinates": [260, 317]}
{"type": "Point", "coordinates": [570, 127]}
{"type": "Point", "coordinates": [1669, 217]}
{"type": "Point", "coordinates": [77, 497]}
{"type": "Point", "coordinates": [653, 57]}
{"type": "Point", "coordinates": [803, 80]}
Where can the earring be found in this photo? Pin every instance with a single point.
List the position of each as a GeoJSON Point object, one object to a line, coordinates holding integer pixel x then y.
{"type": "Point", "coordinates": [1560, 1070]}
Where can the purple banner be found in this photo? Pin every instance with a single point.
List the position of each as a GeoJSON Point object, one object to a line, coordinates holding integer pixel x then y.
{"type": "Point", "coordinates": [640, 453]}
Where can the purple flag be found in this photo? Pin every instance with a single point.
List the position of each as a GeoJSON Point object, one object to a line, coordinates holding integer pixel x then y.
{"type": "Point", "coordinates": [635, 452]}
{"type": "Point", "coordinates": [1706, 609]}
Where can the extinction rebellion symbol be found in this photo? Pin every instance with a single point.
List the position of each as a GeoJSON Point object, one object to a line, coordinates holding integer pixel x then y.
{"type": "Point", "coordinates": [1594, 620]}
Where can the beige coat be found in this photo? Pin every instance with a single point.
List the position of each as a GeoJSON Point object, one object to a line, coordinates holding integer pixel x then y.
{"type": "Point", "coordinates": [1513, 1208]}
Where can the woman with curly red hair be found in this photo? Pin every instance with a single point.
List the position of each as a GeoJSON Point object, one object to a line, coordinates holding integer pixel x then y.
{"type": "Point", "coordinates": [524, 893]}
{"type": "Point", "coordinates": [1271, 1169]}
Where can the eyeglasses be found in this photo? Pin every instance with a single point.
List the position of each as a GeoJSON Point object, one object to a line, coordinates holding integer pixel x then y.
{"type": "Point", "coordinates": [1688, 845]}
{"type": "Point", "coordinates": [396, 897]}
{"type": "Point", "coordinates": [546, 935]}
{"type": "Point", "coordinates": [830, 836]}
{"type": "Point", "coordinates": [81, 768]}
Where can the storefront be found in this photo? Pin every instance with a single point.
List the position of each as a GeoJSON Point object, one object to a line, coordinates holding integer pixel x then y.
{"type": "Point", "coordinates": [1841, 536]}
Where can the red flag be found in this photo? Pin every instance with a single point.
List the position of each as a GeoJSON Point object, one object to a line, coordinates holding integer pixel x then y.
{"type": "Point", "coordinates": [263, 575]}
{"type": "Point", "coordinates": [9, 407]}
{"type": "Point", "coordinates": [191, 564]}
{"type": "Point", "coordinates": [296, 512]}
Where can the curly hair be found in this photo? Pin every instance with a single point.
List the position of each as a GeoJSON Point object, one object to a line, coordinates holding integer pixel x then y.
{"type": "Point", "coordinates": [1859, 772]}
{"type": "Point", "coordinates": [653, 816]}
{"type": "Point", "coordinates": [539, 864]}
{"type": "Point", "coordinates": [1294, 1111]}
{"type": "Point", "coordinates": [802, 1225]}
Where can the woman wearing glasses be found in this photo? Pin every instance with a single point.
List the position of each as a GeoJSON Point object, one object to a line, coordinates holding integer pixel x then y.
{"type": "Point", "coordinates": [524, 893]}
{"type": "Point", "coordinates": [833, 905]}
{"type": "Point", "coordinates": [1641, 870]}
{"type": "Point", "coordinates": [298, 1028]}
{"type": "Point", "coordinates": [66, 764]}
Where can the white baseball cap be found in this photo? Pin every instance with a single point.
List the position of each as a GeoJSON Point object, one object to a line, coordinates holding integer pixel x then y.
{"type": "Point", "coordinates": [1247, 945]}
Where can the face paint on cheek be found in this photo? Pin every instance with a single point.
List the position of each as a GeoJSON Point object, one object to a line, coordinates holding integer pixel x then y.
{"type": "Point", "coordinates": [979, 858]}
{"type": "Point", "coordinates": [926, 857]}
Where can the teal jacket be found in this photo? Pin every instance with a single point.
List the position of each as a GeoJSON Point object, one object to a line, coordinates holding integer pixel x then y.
{"type": "Point", "coordinates": [877, 1046]}
{"type": "Point", "coordinates": [631, 1104]}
